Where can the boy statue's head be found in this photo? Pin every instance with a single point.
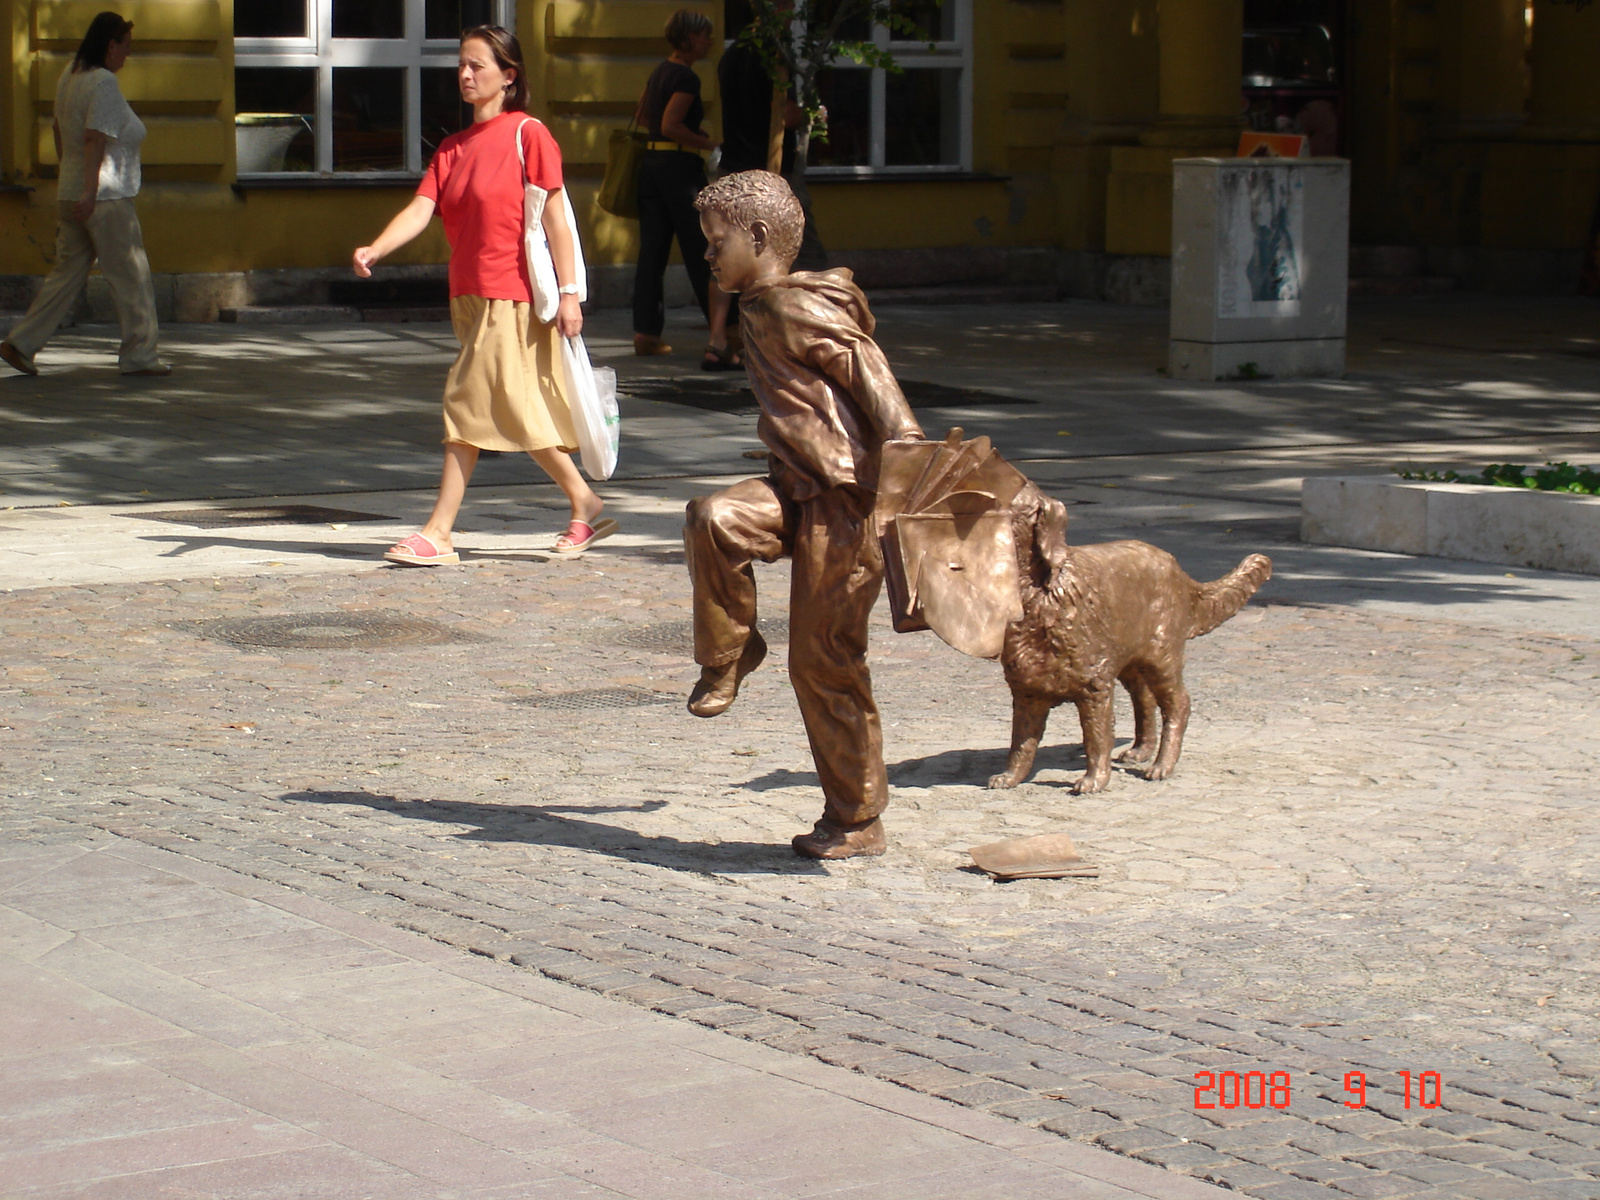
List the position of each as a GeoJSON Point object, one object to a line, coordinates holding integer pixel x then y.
{"type": "Point", "coordinates": [753, 225]}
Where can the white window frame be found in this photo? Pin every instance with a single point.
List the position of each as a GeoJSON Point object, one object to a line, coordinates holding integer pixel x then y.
{"type": "Point", "coordinates": [323, 51]}
{"type": "Point", "coordinates": [910, 56]}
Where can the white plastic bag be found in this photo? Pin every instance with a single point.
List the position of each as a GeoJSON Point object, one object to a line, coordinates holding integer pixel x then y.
{"type": "Point", "coordinates": [541, 267]}
{"type": "Point", "coordinates": [592, 397]}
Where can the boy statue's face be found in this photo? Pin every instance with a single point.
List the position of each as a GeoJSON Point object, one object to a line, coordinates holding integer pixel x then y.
{"type": "Point", "coordinates": [736, 255]}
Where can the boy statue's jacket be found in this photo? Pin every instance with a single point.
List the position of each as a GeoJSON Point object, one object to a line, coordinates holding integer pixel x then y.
{"type": "Point", "coordinates": [828, 398]}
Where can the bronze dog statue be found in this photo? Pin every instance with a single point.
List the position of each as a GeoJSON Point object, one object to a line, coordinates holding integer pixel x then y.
{"type": "Point", "coordinates": [1097, 614]}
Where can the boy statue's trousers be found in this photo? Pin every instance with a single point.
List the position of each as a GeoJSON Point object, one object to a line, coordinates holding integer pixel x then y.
{"type": "Point", "coordinates": [838, 571]}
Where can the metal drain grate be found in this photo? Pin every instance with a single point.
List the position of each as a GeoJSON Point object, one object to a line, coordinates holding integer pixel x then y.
{"type": "Point", "coordinates": [331, 631]}
{"type": "Point", "coordinates": [273, 514]}
{"type": "Point", "coordinates": [677, 637]}
{"type": "Point", "coordinates": [600, 698]}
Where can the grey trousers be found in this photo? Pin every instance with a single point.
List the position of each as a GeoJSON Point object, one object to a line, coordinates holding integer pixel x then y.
{"type": "Point", "coordinates": [112, 235]}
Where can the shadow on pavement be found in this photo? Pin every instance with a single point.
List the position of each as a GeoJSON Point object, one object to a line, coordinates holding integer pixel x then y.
{"type": "Point", "coordinates": [539, 825]}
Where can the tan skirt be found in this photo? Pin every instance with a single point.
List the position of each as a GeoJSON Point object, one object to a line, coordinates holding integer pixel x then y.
{"type": "Point", "coordinates": [505, 390]}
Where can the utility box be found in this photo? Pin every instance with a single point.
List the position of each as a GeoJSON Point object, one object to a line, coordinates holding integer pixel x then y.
{"type": "Point", "coordinates": [1260, 267]}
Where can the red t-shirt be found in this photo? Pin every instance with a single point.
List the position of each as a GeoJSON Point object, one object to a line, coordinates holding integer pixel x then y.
{"type": "Point", "coordinates": [473, 178]}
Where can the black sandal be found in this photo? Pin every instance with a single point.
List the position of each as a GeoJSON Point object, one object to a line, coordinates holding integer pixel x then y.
{"type": "Point", "coordinates": [726, 359]}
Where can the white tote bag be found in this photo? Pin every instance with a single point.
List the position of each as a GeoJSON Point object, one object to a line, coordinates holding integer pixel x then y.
{"type": "Point", "coordinates": [592, 393]}
{"type": "Point", "coordinates": [541, 267]}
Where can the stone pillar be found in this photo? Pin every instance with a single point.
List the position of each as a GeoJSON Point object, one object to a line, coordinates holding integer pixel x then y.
{"type": "Point", "coordinates": [1564, 104]}
{"type": "Point", "coordinates": [1202, 46]}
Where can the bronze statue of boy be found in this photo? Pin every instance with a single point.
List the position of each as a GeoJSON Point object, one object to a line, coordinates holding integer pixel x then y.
{"type": "Point", "coordinates": [828, 404]}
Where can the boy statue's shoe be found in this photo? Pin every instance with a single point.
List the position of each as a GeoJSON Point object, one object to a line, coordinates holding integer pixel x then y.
{"type": "Point", "coordinates": [718, 686]}
{"type": "Point", "coordinates": [829, 840]}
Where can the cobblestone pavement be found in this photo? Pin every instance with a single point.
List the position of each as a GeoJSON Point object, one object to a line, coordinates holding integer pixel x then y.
{"type": "Point", "coordinates": [1378, 855]}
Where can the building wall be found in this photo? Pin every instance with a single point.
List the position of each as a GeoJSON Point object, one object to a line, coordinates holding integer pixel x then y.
{"type": "Point", "coordinates": [1071, 134]}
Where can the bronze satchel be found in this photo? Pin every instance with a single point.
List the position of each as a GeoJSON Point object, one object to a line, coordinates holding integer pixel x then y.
{"type": "Point", "coordinates": [950, 563]}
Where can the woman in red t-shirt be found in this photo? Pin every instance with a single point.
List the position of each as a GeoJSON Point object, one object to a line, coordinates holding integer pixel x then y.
{"type": "Point", "coordinates": [505, 390]}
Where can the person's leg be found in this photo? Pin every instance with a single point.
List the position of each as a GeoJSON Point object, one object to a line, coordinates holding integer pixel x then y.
{"type": "Point", "coordinates": [720, 354]}
{"type": "Point", "coordinates": [119, 245]}
{"type": "Point", "coordinates": [585, 501]}
{"type": "Point", "coordinates": [838, 572]}
{"type": "Point", "coordinates": [655, 244]}
{"type": "Point", "coordinates": [55, 301]}
{"type": "Point", "coordinates": [459, 462]}
{"type": "Point", "coordinates": [723, 534]}
{"type": "Point", "coordinates": [687, 179]}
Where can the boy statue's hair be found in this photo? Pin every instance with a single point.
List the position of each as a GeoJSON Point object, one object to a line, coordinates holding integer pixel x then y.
{"type": "Point", "coordinates": [750, 196]}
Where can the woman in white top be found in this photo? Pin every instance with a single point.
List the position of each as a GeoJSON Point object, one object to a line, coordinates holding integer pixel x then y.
{"type": "Point", "coordinates": [97, 144]}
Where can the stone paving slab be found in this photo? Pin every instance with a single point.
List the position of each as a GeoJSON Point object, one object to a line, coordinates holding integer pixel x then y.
{"type": "Point", "coordinates": [116, 1089]}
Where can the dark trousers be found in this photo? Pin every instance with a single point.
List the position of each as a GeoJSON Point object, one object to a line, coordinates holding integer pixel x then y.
{"type": "Point", "coordinates": [838, 572]}
{"type": "Point", "coordinates": [669, 180]}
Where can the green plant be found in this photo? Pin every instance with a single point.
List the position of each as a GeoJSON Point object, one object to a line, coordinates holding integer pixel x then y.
{"type": "Point", "coordinates": [1552, 477]}
{"type": "Point", "coordinates": [1248, 370]}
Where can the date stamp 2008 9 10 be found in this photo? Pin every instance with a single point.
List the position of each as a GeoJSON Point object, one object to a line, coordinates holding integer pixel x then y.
{"type": "Point", "coordinates": [1259, 1089]}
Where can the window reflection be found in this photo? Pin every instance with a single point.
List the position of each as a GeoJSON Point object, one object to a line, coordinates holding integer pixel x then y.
{"type": "Point", "coordinates": [269, 18]}
{"type": "Point", "coordinates": [449, 18]}
{"type": "Point", "coordinates": [369, 19]}
{"type": "Point", "coordinates": [443, 110]}
{"type": "Point", "coordinates": [847, 95]}
{"type": "Point", "coordinates": [275, 123]}
{"type": "Point", "coordinates": [922, 125]}
{"type": "Point", "coordinates": [368, 119]}
{"type": "Point", "coordinates": [936, 21]}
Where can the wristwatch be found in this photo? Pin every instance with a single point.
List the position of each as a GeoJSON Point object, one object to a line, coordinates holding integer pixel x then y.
{"type": "Point", "coordinates": [568, 289]}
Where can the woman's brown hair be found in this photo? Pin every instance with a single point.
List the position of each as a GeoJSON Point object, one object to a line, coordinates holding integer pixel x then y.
{"type": "Point", "coordinates": [683, 25]}
{"type": "Point", "coordinates": [507, 53]}
{"type": "Point", "coordinates": [107, 27]}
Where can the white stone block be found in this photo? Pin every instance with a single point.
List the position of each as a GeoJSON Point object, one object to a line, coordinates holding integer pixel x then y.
{"type": "Point", "coordinates": [1550, 531]}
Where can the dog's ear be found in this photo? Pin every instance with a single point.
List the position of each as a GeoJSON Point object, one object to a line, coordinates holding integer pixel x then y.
{"type": "Point", "coordinates": [1050, 533]}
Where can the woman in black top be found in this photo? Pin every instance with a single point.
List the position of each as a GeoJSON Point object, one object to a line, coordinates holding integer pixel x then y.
{"type": "Point", "coordinates": [671, 174]}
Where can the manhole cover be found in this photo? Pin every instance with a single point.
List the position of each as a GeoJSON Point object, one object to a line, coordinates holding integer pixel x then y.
{"type": "Point", "coordinates": [600, 698]}
{"type": "Point", "coordinates": [678, 636]}
{"type": "Point", "coordinates": [332, 631]}
{"type": "Point", "coordinates": [272, 514]}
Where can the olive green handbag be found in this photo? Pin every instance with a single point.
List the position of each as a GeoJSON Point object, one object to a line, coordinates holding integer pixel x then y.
{"type": "Point", "coordinates": [619, 190]}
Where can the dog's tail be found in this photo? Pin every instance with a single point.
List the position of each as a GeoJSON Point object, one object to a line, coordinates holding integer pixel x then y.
{"type": "Point", "coordinates": [1221, 598]}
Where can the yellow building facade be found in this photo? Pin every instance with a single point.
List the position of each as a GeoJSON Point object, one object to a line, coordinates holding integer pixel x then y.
{"type": "Point", "coordinates": [1032, 141]}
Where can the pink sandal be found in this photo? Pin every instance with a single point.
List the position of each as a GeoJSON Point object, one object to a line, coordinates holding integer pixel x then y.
{"type": "Point", "coordinates": [419, 551]}
{"type": "Point", "coordinates": [580, 535]}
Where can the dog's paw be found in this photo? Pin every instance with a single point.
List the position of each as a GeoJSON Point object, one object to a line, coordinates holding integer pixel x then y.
{"type": "Point", "coordinates": [1004, 780]}
{"type": "Point", "coordinates": [1091, 783]}
{"type": "Point", "coordinates": [1160, 771]}
{"type": "Point", "coordinates": [1136, 754]}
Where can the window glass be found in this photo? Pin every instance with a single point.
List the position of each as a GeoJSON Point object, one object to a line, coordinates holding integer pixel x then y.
{"type": "Point", "coordinates": [936, 21]}
{"type": "Point", "coordinates": [369, 19]}
{"type": "Point", "coordinates": [443, 110]}
{"type": "Point", "coordinates": [269, 18]}
{"type": "Point", "coordinates": [847, 95]}
{"type": "Point", "coordinates": [369, 119]}
{"type": "Point", "coordinates": [275, 122]}
{"type": "Point", "coordinates": [922, 125]}
{"type": "Point", "coordinates": [449, 18]}
{"type": "Point", "coordinates": [856, 28]}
